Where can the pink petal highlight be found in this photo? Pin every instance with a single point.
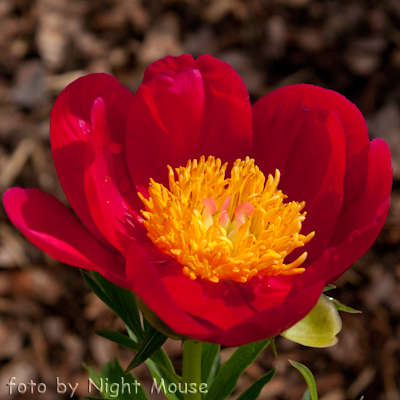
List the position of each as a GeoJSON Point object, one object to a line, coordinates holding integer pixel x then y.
{"type": "Point", "coordinates": [226, 203]}
{"type": "Point", "coordinates": [223, 218]}
{"type": "Point", "coordinates": [209, 207]}
{"type": "Point", "coordinates": [242, 212]}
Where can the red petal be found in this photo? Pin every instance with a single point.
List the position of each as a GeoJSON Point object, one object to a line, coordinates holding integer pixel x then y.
{"type": "Point", "coordinates": [356, 133]}
{"type": "Point", "coordinates": [336, 260]}
{"type": "Point", "coordinates": [224, 304]}
{"type": "Point", "coordinates": [226, 132]}
{"type": "Point", "coordinates": [307, 144]}
{"type": "Point", "coordinates": [164, 125]}
{"type": "Point", "coordinates": [169, 63]}
{"type": "Point", "coordinates": [184, 111]}
{"type": "Point", "coordinates": [49, 225]}
{"type": "Point", "coordinates": [109, 211]}
{"type": "Point", "coordinates": [147, 284]}
{"type": "Point", "coordinates": [277, 129]}
{"type": "Point", "coordinates": [306, 287]}
{"type": "Point", "coordinates": [227, 312]}
{"type": "Point", "coordinates": [272, 321]}
{"type": "Point", "coordinates": [320, 176]}
{"type": "Point", "coordinates": [371, 199]}
{"type": "Point", "coordinates": [69, 126]}
{"type": "Point", "coordinates": [227, 304]}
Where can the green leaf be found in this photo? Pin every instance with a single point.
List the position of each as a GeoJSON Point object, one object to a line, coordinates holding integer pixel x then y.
{"type": "Point", "coordinates": [145, 323]}
{"type": "Point", "coordinates": [159, 356]}
{"type": "Point", "coordinates": [151, 343]}
{"type": "Point", "coordinates": [342, 307]}
{"type": "Point", "coordinates": [98, 290]}
{"type": "Point", "coordinates": [319, 328]}
{"type": "Point", "coordinates": [209, 357]}
{"type": "Point", "coordinates": [160, 367]}
{"type": "Point", "coordinates": [112, 383]}
{"type": "Point", "coordinates": [125, 304]}
{"type": "Point", "coordinates": [308, 376]}
{"type": "Point", "coordinates": [112, 298]}
{"type": "Point", "coordinates": [119, 338]}
{"type": "Point", "coordinates": [226, 379]}
{"type": "Point", "coordinates": [254, 390]}
{"type": "Point", "coordinates": [159, 360]}
{"type": "Point", "coordinates": [159, 373]}
{"type": "Point", "coordinates": [214, 370]}
{"type": "Point", "coordinates": [328, 287]}
{"type": "Point", "coordinates": [306, 395]}
{"type": "Point", "coordinates": [120, 301]}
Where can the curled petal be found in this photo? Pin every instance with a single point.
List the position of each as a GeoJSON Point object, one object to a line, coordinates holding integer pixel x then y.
{"type": "Point", "coordinates": [70, 125]}
{"type": "Point", "coordinates": [49, 225]}
{"type": "Point", "coordinates": [107, 206]}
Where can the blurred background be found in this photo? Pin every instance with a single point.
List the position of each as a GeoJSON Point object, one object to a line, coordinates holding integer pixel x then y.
{"type": "Point", "coordinates": [47, 313]}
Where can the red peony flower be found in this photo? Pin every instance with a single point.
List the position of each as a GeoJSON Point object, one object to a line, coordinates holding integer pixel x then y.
{"type": "Point", "coordinates": [213, 249]}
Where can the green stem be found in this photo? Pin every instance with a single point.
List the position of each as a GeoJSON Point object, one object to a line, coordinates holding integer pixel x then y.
{"type": "Point", "coordinates": [191, 369]}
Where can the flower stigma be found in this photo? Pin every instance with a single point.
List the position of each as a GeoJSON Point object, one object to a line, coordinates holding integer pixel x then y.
{"type": "Point", "coordinates": [225, 228]}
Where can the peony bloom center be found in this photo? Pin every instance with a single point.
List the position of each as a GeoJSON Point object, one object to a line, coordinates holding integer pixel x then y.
{"type": "Point", "coordinates": [225, 229]}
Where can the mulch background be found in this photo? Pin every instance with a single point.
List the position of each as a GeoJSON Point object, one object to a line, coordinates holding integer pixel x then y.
{"type": "Point", "coordinates": [47, 313]}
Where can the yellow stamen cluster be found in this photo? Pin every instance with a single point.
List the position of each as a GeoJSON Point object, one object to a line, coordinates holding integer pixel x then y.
{"type": "Point", "coordinates": [175, 224]}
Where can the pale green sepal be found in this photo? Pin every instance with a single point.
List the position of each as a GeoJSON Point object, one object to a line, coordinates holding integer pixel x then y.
{"type": "Point", "coordinates": [319, 328]}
